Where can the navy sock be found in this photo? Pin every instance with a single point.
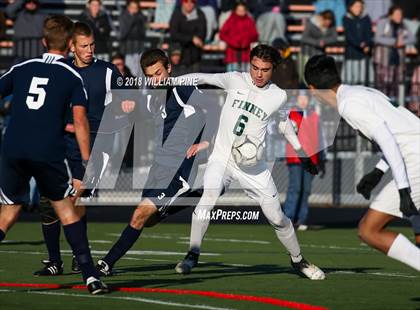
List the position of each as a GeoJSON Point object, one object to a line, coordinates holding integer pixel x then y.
{"type": "Point", "coordinates": [128, 237]}
{"type": "Point", "coordinates": [51, 234]}
{"type": "Point", "coordinates": [76, 237]}
{"type": "Point", "coordinates": [2, 235]}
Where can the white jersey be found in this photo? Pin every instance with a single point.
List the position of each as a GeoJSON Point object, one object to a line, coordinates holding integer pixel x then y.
{"type": "Point", "coordinates": [247, 108]}
{"type": "Point", "coordinates": [365, 108]}
{"type": "Point", "coordinates": [396, 130]}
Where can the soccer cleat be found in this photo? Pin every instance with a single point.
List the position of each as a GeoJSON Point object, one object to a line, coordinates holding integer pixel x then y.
{"type": "Point", "coordinates": [75, 266]}
{"type": "Point", "coordinates": [103, 268]}
{"type": "Point", "coordinates": [309, 270]}
{"type": "Point", "coordinates": [50, 269]}
{"type": "Point", "coordinates": [96, 286]}
{"type": "Point", "coordinates": [187, 264]}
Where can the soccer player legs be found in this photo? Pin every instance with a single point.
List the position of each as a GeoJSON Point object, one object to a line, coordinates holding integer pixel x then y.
{"type": "Point", "coordinates": [37, 123]}
{"type": "Point", "coordinates": [397, 132]}
{"type": "Point", "coordinates": [173, 167]}
{"type": "Point", "coordinates": [262, 99]}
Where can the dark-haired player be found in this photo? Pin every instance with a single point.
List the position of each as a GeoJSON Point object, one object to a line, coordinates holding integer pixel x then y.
{"type": "Point", "coordinates": [250, 102]}
{"type": "Point", "coordinates": [34, 144]}
{"type": "Point", "coordinates": [178, 135]}
{"type": "Point", "coordinates": [397, 132]}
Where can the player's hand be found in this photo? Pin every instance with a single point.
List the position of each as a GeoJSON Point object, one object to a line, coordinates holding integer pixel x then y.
{"type": "Point", "coordinates": [407, 206]}
{"type": "Point", "coordinates": [197, 41]}
{"type": "Point", "coordinates": [322, 169]}
{"type": "Point", "coordinates": [307, 163]}
{"type": "Point", "coordinates": [128, 106]}
{"type": "Point", "coordinates": [195, 148]}
{"type": "Point", "coordinates": [69, 128]}
{"type": "Point", "coordinates": [369, 182]}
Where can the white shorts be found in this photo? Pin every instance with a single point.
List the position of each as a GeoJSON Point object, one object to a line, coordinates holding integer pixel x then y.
{"type": "Point", "coordinates": [388, 200]}
{"type": "Point", "coordinates": [256, 181]}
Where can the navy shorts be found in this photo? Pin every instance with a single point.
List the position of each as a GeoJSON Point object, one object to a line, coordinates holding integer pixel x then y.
{"type": "Point", "coordinates": [165, 184]}
{"type": "Point", "coordinates": [52, 178]}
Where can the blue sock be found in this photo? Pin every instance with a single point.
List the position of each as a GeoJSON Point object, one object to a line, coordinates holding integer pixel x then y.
{"type": "Point", "coordinates": [76, 237]}
{"type": "Point", "coordinates": [128, 237]}
{"type": "Point", "coordinates": [2, 235]}
{"type": "Point", "coordinates": [51, 234]}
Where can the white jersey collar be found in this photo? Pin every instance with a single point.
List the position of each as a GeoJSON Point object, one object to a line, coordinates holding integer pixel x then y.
{"type": "Point", "coordinates": [51, 56]}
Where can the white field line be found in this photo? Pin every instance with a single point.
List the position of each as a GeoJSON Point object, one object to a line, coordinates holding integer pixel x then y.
{"type": "Point", "coordinates": [335, 247]}
{"type": "Point", "coordinates": [156, 253]}
{"type": "Point", "coordinates": [100, 241]}
{"type": "Point", "coordinates": [168, 237]}
{"type": "Point", "coordinates": [137, 299]}
{"type": "Point", "coordinates": [382, 274]}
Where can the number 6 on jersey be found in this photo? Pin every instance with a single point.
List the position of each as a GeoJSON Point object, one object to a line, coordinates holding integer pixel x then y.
{"type": "Point", "coordinates": [240, 125]}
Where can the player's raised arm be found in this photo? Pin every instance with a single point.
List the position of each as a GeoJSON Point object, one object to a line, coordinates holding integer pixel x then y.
{"type": "Point", "coordinates": [219, 79]}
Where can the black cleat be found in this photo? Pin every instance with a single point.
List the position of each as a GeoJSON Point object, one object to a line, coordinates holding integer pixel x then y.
{"type": "Point", "coordinates": [75, 266]}
{"type": "Point", "coordinates": [103, 268]}
{"type": "Point", "coordinates": [50, 269]}
{"type": "Point", "coordinates": [96, 286]}
{"type": "Point", "coordinates": [308, 270]}
{"type": "Point", "coordinates": [188, 263]}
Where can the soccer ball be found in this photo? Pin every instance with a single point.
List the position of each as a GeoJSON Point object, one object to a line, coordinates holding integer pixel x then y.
{"type": "Point", "coordinates": [247, 150]}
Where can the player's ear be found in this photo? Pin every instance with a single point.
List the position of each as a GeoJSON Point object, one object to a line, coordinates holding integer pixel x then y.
{"type": "Point", "coordinates": [71, 46]}
{"type": "Point", "coordinates": [169, 69]}
{"type": "Point", "coordinates": [44, 43]}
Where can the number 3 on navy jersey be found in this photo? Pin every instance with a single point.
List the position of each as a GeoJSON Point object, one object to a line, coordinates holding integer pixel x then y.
{"type": "Point", "coordinates": [36, 95]}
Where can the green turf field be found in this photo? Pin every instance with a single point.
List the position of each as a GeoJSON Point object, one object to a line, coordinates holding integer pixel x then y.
{"type": "Point", "coordinates": [237, 259]}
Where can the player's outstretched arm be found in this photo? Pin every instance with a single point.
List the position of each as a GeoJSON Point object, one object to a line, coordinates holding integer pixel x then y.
{"type": "Point", "coordinates": [81, 128]}
{"type": "Point", "coordinates": [218, 79]}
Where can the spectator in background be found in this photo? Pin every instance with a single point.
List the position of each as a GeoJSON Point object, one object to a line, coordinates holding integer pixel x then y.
{"type": "Point", "coordinates": [239, 31]}
{"type": "Point", "coordinates": [318, 34]}
{"type": "Point", "coordinates": [175, 59]}
{"type": "Point", "coordinates": [271, 23]}
{"type": "Point", "coordinates": [285, 75]}
{"type": "Point", "coordinates": [100, 22]}
{"type": "Point", "coordinates": [226, 7]}
{"type": "Point", "coordinates": [188, 28]}
{"type": "Point", "coordinates": [307, 125]}
{"type": "Point", "coordinates": [377, 9]}
{"type": "Point", "coordinates": [209, 8]}
{"type": "Point", "coordinates": [163, 12]}
{"type": "Point", "coordinates": [391, 38]}
{"type": "Point", "coordinates": [414, 104]}
{"type": "Point", "coordinates": [338, 7]}
{"type": "Point", "coordinates": [28, 24]}
{"type": "Point", "coordinates": [132, 35]}
{"type": "Point", "coordinates": [3, 25]}
{"type": "Point", "coordinates": [118, 60]}
{"type": "Point", "coordinates": [357, 67]}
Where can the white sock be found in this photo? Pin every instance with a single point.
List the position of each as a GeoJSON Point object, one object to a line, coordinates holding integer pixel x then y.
{"type": "Point", "coordinates": [287, 236]}
{"type": "Point", "coordinates": [199, 225]}
{"type": "Point", "coordinates": [405, 251]}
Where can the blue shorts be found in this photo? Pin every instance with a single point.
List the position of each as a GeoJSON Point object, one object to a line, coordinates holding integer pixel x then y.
{"type": "Point", "coordinates": [165, 184]}
{"type": "Point", "coordinates": [52, 178]}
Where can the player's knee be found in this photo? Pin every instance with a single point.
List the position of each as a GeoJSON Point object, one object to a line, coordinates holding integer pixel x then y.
{"type": "Point", "coordinates": [47, 212]}
{"type": "Point", "coordinates": [365, 231]}
{"type": "Point", "coordinates": [141, 216]}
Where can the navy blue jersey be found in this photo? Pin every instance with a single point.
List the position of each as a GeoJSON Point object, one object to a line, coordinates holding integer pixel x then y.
{"type": "Point", "coordinates": [43, 88]}
{"type": "Point", "coordinates": [99, 78]}
{"type": "Point", "coordinates": [178, 125]}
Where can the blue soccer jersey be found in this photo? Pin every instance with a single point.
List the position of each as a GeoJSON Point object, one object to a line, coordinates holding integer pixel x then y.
{"type": "Point", "coordinates": [43, 89]}
{"type": "Point", "coordinates": [99, 78]}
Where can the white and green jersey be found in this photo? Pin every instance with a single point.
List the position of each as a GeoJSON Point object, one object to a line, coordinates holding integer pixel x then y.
{"type": "Point", "coordinates": [247, 108]}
